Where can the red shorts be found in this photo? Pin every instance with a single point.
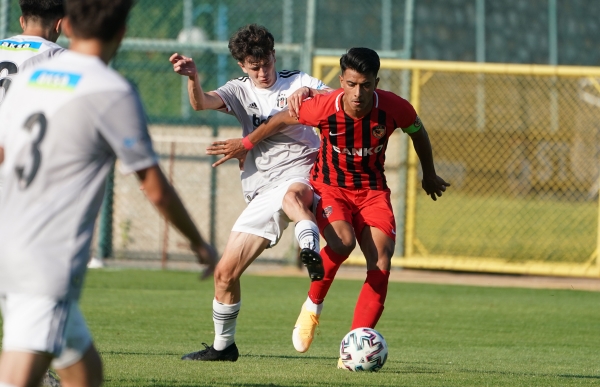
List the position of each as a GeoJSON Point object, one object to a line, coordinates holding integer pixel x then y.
{"type": "Point", "coordinates": [359, 207]}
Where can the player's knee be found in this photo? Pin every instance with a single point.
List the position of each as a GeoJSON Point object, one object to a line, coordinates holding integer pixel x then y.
{"type": "Point", "coordinates": [342, 246]}
{"type": "Point", "coordinates": [224, 279]}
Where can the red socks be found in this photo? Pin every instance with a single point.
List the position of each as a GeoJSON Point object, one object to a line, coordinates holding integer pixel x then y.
{"type": "Point", "coordinates": [331, 263]}
{"type": "Point", "coordinates": [369, 306]}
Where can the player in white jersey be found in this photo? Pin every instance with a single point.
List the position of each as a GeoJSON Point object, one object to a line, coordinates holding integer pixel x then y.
{"type": "Point", "coordinates": [64, 123]}
{"type": "Point", "coordinates": [41, 23]}
{"type": "Point", "coordinates": [274, 175]}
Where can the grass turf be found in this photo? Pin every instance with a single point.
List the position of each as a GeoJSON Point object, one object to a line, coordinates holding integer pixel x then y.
{"type": "Point", "coordinates": [143, 321]}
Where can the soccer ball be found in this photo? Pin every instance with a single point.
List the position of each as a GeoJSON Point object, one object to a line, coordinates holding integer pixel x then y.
{"type": "Point", "coordinates": [363, 349]}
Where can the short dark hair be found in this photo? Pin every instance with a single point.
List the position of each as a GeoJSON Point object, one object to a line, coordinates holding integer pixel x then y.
{"type": "Point", "coordinates": [360, 59]}
{"type": "Point", "coordinates": [42, 11]}
{"type": "Point", "coordinates": [97, 19]}
{"type": "Point", "coordinates": [251, 40]}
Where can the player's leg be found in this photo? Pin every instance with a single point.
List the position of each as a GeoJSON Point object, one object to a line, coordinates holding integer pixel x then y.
{"type": "Point", "coordinates": [375, 224]}
{"type": "Point", "coordinates": [241, 250]}
{"type": "Point", "coordinates": [79, 363]}
{"type": "Point", "coordinates": [298, 204]}
{"type": "Point", "coordinates": [22, 369]}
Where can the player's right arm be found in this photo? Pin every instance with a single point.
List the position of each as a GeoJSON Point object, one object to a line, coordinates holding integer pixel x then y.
{"type": "Point", "coordinates": [234, 148]}
{"type": "Point", "coordinates": [166, 200]}
{"type": "Point", "coordinates": [199, 100]}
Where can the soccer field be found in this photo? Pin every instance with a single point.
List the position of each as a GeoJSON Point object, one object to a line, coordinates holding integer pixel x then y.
{"type": "Point", "coordinates": [438, 335]}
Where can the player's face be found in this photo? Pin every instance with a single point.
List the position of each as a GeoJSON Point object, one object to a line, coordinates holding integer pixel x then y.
{"type": "Point", "coordinates": [261, 72]}
{"type": "Point", "coordinates": [358, 91]}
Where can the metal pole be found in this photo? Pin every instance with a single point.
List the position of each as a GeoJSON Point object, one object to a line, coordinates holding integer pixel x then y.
{"type": "Point", "coordinates": [386, 25]}
{"type": "Point", "coordinates": [480, 57]}
{"type": "Point", "coordinates": [4, 4]}
{"type": "Point", "coordinates": [411, 179]}
{"type": "Point", "coordinates": [188, 21]}
{"type": "Point", "coordinates": [105, 227]}
{"type": "Point", "coordinates": [213, 189]}
{"type": "Point", "coordinates": [288, 24]}
{"type": "Point", "coordinates": [309, 36]}
{"type": "Point", "coordinates": [165, 245]}
{"type": "Point", "coordinates": [553, 60]}
{"type": "Point", "coordinates": [404, 92]}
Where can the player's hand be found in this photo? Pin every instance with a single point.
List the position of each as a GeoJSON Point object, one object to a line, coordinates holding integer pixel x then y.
{"type": "Point", "coordinates": [183, 65]}
{"type": "Point", "coordinates": [295, 100]}
{"type": "Point", "coordinates": [206, 255]}
{"type": "Point", "coordinates": [434, 186]}
{"type": "Point", "coordinates": [230, 149]}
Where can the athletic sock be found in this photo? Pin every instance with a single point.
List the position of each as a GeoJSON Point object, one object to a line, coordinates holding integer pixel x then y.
{"type": "Point", "coordinates": [307, 234]}
{"type": "Point", "coordinates": [225, 319]}
{"type": "Point", "coordinates": [312, 307]}
{"type": "Point", "coordinates": [331, 263]}
{"type": "Point", "coordinates": [369, 306]}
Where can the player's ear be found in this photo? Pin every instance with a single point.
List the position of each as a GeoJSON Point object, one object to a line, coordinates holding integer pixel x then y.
{"type": "Point", "coordinates": [22, 22]}
{"type": "Point", "coordinates": [376, 82]}
{"type": "Point", "coordinates": [341, 80]}
{"type": "Point", "coordinates": [242, 67]}
{"type": "Point", "coordinates": [274, 57]}
{"type": "Point", "coordinates": [57, 26]}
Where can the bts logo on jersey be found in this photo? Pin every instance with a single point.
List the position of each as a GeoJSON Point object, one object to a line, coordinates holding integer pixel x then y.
{"type": "Point", "coordinates": [378, 131]}
{"type": "Point", "coordinates": [281, 101]}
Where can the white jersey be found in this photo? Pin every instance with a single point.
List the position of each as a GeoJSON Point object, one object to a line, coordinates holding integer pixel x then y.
{"type": "Point", "coordinates": [286, 155]}
{"type": "Point", "coordinates": [63, 124]}
{"type": "Point", "coordinates": [22, 51]}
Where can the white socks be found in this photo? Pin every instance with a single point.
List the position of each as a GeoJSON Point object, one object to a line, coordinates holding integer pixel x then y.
{"type": "Point", "coordinates": [225, 319]}
{"type": "Point", "coordinates": [307, 234]}
{"type": "Point", "coordinates": [312, 307]}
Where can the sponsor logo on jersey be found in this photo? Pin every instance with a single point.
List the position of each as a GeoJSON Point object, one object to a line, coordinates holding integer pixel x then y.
{"type": "Point", "coordinates": [256, 120]}
{"type": "Point", "coordinates": [378, 131]}
{"type": "Point", "coordinates": [54, 80]}
{"type": "Point", "coordinates": [16, 46]}
{"type": "Point", "coordinates": [327, 211]}
{"type": "Point", "coordinates": [358, 151]}
{"type": "Point", "coordinates": [253, 105]}
{"type": "Point", "coordinates": [281, 101]}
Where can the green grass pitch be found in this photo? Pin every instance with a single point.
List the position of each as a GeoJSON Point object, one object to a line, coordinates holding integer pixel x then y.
{"type": "Point", "coordinates": [143, 321]}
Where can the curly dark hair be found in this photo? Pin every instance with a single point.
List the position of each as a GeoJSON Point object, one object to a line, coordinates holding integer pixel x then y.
{"type": "Point", "coordinates": [251, 41]}
{"type": "Point", "coordinates": [44, 11]}
{"type": "Point", "coordinates": [362, 60]}
{"type": "Point", "coordinates": [97, 19]}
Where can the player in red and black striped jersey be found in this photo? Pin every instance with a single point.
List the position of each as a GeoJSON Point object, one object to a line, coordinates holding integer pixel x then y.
{"type": "Point", "coordinates": [356, 122]}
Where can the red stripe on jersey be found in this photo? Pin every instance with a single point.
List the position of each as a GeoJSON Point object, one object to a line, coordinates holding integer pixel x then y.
{"type": "Point", "coordinates": [352, 153]}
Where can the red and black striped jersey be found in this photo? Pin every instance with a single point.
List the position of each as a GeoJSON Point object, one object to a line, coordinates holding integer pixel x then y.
{"type": "Point", "coordinates": [352, 152]}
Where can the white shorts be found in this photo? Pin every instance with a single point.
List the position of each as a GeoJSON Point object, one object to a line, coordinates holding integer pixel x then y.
{"type": "Point", "coordinates": [40, 324]}
{"type": "Point", "coordinates": [264, 215]}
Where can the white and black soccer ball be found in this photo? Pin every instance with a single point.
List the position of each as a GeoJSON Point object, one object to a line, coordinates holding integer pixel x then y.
{"type": "Point", "coordinates": [363, 349]}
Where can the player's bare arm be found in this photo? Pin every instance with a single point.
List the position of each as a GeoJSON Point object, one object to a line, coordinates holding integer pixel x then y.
{"type": "Point", "coordinates": [295, 99]}
{"type": "Point", "coordinates": [1, 155]}
{"type": "Point", "coordinates": [165, 198]}
{"type": "Point", "coordinates": [234, 148]}
{"type": "Point", "coordinates": [433, 185]}
{"type": "Point", "coordinates": [199, 100]}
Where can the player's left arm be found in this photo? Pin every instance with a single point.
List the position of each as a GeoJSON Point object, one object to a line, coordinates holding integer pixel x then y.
{"type": "Point", "coordinates": [433, 185]}
{"type": "Point", "coordinates": [237, 148]}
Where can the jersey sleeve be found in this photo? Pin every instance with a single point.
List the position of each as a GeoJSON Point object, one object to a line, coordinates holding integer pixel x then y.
{"type": "Point", "coordinates": [229, 93]}
{"type": "Point", "coordinates": [312, 82]}
{"type": "Point", "coordinates": [405, 115]}
{"type": "Point", "coordinates": [124, 127]}
{"type": "Point", "coordinates": [311, 110]}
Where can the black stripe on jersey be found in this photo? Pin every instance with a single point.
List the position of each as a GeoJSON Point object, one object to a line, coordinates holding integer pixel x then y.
{"type": "Point", "coordinates": [335, 156]}
{"type": "Point", "coordinates": [243, 79]}
{"type": "Point", "coordinates": [287, 74]}
{"type": "Point", "coordinates": [381, 120]}
{"type": "Point", "coordinates": [350, 135]}
{"type": "Point", "coordinates": [325, 172]}
{"type": "Point", "coordinates": [366, 143]}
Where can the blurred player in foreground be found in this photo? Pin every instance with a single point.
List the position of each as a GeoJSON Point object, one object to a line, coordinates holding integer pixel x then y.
{"type": "Point", "coordinates": [356, 122]}
{"type": "Point", "coordinates": [63, 124]}
{"type": "Point", "coordinates": [274, 174]}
